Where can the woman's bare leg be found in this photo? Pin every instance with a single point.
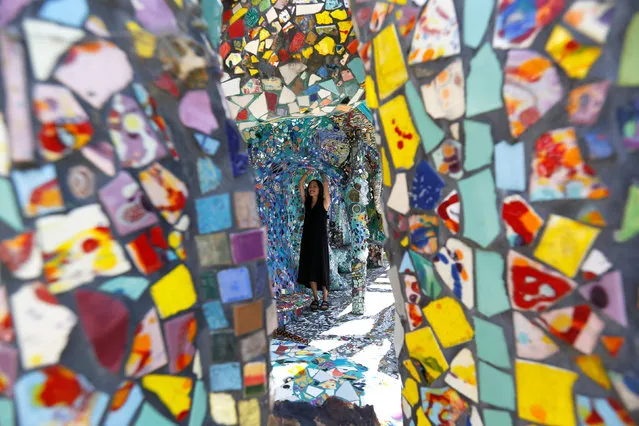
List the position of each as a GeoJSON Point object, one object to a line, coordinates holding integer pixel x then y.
{"type": "Point", "coordinates": [314, 288]}
{"type": "Point", "coordinates": [325, 290]}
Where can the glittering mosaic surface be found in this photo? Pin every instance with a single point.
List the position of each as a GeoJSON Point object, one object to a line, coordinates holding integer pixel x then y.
{"type": "Point", "coordinates": [289, 58]}
{"type": "Point", "coordinates": [509, 165]}
{"type": "Point", "coordinates": [341, 147]}
{"type": "Point", "coordinates": [134, 287]}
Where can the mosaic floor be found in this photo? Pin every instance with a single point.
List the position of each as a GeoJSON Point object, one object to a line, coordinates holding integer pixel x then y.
{"type": "Point", "coordinates": [349, 356]}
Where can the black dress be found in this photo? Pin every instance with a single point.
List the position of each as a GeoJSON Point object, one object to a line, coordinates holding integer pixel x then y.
{"type": "Point", "coordinates": [313, 265]}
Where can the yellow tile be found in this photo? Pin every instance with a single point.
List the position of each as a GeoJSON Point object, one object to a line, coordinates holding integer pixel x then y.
{"type": "Point", "coordinates": [237, 15]}
{"type": "Point", "coordinates": [174, 292]}
{"type": "Point", "coordinates": [422, 420]}
{"type": "Point", "coordinates": [386, 174]}
{"type": "Point", "coordinates": [324, 18]}
{"type": "Point", "coordinates": [339, 14]}
{"type": "Point", "coordinates": [404, 242]}
{"type": "Point", "coordinates": [325, 46]}
{"type": "Point", "coordinates": [422, 346]}
{"type": "Point", "coordinates": [544, 393]}
{"type": "Point", "coordinates": [411, 391]}
{"type": "Point", "coordinates": [592, 367]}
{"type": "Point", "coordinates": [249, 412]}
{"type": "Point", "coordinates": [447, 318]}
{"type": "Point", "coordinates": [403, 139]}
{"type": "Point", "coordinates": [412, 370]}
{"type": "Point", "coordinates": [576, 59]}
{"type": "Point", "coordinates": [389, 62]}
{"type": "Point", "coordinates": [344, 30]}
{"type": "Point", "coordinates": [143, 41]}
{"type": "Point", "coordinates": [371, 96]}
{"type": "Point", "coordinates": [307, 52]}
{"type": "Point", "coordinates": [173, 391]}
{"type": "Point", "coordinates": [564, 244]}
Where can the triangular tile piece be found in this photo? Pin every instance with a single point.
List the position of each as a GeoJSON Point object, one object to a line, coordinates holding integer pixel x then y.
{"type": "Point", "coordinates": [398, 199]}
{"type": "Point", "coordinates": [607, 294]}
{"type": "Point", "coordinates": [208, 144]}
{"type": "Point", "coordinates": [102, 155]}
{"type": "Point", "coordinates": [406, 265]}
{"type": "Point", "coordinates": [47, 43]}
{"type": "Point", "coordinates": [592, 367]}
{"type": "Point", "coordinates": [613, 344]}
{"type": "Point", "coordinates": [463, 375]}
{"type": "Point", "coordinates": [286, 96]}
{"type": "Point", "coordinates": [534, 287]}
{"type": "Point", "coordinates": [592, 216]}
{"type": "Point", "coordinates": [105, 321]}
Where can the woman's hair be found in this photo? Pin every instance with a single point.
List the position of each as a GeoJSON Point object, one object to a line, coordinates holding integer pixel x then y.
{"type": "Point", "coordinates": [320, 196]}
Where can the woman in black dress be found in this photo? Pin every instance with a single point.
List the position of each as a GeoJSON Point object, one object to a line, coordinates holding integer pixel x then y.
{"type": "Point", "coordinates": [313, 268]}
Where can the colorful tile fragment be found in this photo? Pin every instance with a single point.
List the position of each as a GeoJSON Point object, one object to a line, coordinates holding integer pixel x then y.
{"type": "Point", "coordinates": [533, 287]}
{"type": "Point", "coordinates": [436, 33]}
{"type": "Point", "coordinates": [527, 72]}
{"type": "Point", "coordinates": [559, 172]}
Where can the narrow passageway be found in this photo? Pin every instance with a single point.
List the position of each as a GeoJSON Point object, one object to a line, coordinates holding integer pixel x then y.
{"type": "Point", "coordinates": [349, 356]}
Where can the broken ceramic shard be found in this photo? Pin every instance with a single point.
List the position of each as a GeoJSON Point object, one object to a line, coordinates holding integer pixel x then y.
{"type": "Point", "coordinates": [532, 286]}
{"type": "Point", "coordinates": [42, 325]}
{"type": "Point", "coordinates": [77, 247]}
{"type": "Point", "coordinates": [527, 72]}
{"type": "Point", "coordinates": [110, 71]}
{"type": "Point", "coordinates": [454, 264]}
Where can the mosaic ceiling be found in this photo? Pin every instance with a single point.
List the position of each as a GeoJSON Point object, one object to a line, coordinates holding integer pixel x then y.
{"type": "Point", "coordinates": [123, 299]}
{"type": "Point", "coordinates": [289, 59]}
{"type": "Point", "coordinates": [510, 166]}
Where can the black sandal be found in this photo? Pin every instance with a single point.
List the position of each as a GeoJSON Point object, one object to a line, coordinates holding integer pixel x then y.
{"type": "Point", "coordinates": [314, 305]}
{"type": "Point", "coordinates": [324, 306]}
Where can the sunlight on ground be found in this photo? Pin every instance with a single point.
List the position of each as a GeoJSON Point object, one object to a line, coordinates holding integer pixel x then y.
{"type": "Point", "coordinates": [351, 328]}
{"type": "Point", "coordinates": [382, 391]}
{"type": "Point", "coordinates": [375, 303]}
{"type": "Point", "coordinates": [327, 345]}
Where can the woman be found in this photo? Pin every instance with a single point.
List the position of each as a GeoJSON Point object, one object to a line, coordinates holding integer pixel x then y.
{"type": "Point", "coordinates": [313, 267]}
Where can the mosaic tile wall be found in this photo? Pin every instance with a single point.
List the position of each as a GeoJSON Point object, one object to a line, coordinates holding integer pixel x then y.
{"type": "Point", "coordinates": [344, 148]}
{"type": "Point", "coordinates": [510, 166]}
{"type": "Point", "coordinates": [289, 58]}
{"type": "Point", "coordinates": [133, 283]}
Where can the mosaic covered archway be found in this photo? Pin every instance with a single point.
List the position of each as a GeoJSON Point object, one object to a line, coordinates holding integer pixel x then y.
{"type": "Point", "coordinates": [509, 141]}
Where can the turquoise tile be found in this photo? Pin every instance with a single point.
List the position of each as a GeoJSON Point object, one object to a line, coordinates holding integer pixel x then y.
{"type": "Point", "coordinates": [476, 16]}
{"type": "Point", "coordinates": [490, 286]}
{"type": "Point", "coordinates": [497, 418]}
{"type": "Point", "coordinates": [478, 145]}
{"type": "Point", "coordinates": [496, 387]}
{"type": "Point", "coordinates": [479, 207]}
{"type": "Point", "coordinates": [150, 417]}
{"type": "Point", "coordinates": [198, 407]}
{"type": "Point", "coordinates": [484, 82]}
{"type": "Point", "coordinates": [429, 132]}
{"type": "Point", "coordinates": [491, 343]}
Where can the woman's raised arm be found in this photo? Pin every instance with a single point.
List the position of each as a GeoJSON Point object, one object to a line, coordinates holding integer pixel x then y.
{"type": "Point", "coordinates": [300, 185]}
